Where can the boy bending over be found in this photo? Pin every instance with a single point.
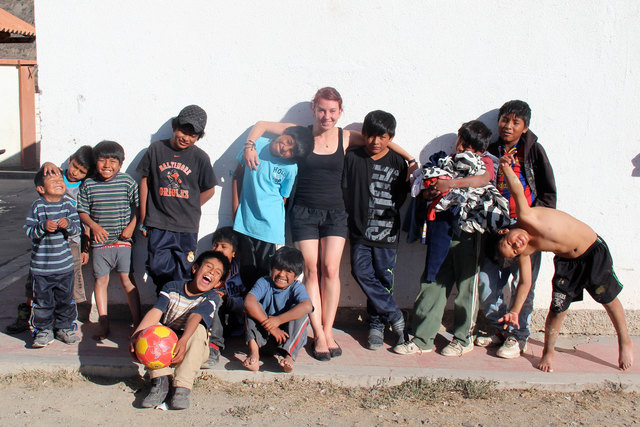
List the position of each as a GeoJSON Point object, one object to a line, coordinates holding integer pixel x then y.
{"type": "Point", "coordinates": [188, 309]}
{"type": "Point", "coordinates": [277, 310]}
{"type": "Point", "coordinates": [582, 261]}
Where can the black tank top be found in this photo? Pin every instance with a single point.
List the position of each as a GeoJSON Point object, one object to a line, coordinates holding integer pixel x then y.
{"type": "Point", "coordinates": [320, 179]}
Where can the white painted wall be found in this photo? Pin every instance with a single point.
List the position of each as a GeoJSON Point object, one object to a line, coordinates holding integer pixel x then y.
{"type": "Point", "coordinates": [10, 115]}
{"type": "Point", "coordinates": [120, 70]}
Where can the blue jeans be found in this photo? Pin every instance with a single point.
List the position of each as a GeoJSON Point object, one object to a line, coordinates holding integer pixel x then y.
{"type": "Point", "coordinates": [373, 270]}
{"type": "Point", "coordinates": [492, 300]}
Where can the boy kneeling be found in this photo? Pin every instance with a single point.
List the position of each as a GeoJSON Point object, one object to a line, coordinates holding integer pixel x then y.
{"type": "Point", "coordinates": [277, 311]}
{"type": "Point", "coordinates": [582, 261]}
{"type": "Point", "coordinates": [188, 309]}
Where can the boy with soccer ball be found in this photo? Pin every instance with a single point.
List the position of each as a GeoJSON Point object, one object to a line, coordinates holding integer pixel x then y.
{"type": "Point", "coordinates": [188, 309]}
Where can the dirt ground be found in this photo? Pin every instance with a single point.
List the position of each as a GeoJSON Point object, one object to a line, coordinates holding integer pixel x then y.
{"type": "Point", "coordinates": [67, 398]}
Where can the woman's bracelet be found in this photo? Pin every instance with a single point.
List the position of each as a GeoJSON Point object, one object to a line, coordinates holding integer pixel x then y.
{"type": "Point", "coordinates": [410, 162]}
{"type": "Point", "coordinates": [249, 144]}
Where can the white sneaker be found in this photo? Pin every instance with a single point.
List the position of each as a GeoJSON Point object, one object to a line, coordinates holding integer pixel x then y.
{"type": "Point", "coordinates": [511, 348]}
{"type": "Point", "coordinates": [456, 349]}
{"type": "Point", "coordinates": [489, 340]}
{"type": "Point", "coordinates": [409, 347]}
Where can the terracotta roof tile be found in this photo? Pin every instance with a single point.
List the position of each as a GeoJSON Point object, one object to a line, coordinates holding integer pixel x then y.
{"type": "Point", "coordinates": [15, 25]}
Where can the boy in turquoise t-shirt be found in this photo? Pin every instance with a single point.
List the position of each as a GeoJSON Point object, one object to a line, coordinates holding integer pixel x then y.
{"type": "Point", "coordinates": [259, 206]}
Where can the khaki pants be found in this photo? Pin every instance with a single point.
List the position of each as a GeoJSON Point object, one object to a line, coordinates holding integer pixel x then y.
{"type": "Point", "coordinates": [78, 279]}
{"type": "Point", "coordinates": [197, 353]}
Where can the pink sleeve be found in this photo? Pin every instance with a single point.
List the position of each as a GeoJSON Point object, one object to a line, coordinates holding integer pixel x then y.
{"type": "Point", "coordinates": [489, 164]}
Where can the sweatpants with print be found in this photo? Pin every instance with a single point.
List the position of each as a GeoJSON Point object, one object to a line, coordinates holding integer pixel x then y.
{"type": "Point", "coordinates": [297, 330]}
{"type": "Point", "coordinates": [461, 266]}
{"type": "Point", "coordinates": [185, 372]}
{"type": "Point", "coordinates": [373, 269]}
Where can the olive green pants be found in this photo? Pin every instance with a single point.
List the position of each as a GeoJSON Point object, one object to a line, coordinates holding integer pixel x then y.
{"type": "Point", "coordinates": [461, 266]}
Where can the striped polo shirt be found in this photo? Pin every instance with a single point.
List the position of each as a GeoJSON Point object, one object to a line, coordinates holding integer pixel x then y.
{"type": "Point", "coordinates": [109, 203]}
{"type": "Point", "coordinates": [50, 253]}
{"type": "Point", "coordinates": [177, 306]}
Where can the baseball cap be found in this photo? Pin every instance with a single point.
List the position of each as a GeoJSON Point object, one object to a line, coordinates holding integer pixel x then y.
{"type": "Point", "coordinates": [193, 115]}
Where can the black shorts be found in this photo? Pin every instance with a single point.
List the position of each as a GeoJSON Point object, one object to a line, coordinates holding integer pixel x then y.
{"type": "Point", "coordinates": [314, 224]}
{"type": "Point", "coordinates": [592, 271]}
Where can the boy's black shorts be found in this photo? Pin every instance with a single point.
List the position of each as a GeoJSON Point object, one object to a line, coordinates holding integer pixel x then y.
{"type": "Point", "coordinates": [592, 271]}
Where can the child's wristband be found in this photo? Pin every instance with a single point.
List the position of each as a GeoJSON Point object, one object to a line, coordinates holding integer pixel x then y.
{"type": "Point", "coordinates": [142, 228]}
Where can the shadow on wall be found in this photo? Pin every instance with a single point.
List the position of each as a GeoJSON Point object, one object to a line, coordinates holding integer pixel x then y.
{"type": "Point", "coordinates": [636, 166]}
{"type": "Point", "coordinates": [226, 164]}
{"type": "Point", "coordinates": [447, 142]}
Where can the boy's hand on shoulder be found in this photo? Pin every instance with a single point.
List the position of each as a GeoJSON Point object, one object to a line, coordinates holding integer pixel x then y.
{"type": "Point", "coordinates": [63, 223]}
{"type": "Point", "coordinates": [414, 166]}
{"type": "Point", "coordinates": [100, 235]}
{"type": "Point", "coordinates": [50, 226]}
{"type": "Point", "coordinates": [180, 351]}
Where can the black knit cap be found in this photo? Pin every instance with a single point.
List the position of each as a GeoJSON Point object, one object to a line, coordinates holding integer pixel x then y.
{"type": "Point", "coordinates": [194, 116]}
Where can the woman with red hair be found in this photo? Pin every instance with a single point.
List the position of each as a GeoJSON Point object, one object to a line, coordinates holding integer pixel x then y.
{"type": "Point", "coordinates": [318, 217]}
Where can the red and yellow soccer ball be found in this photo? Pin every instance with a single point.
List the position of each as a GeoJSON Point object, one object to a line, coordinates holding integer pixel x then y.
{"type": "Point", "coordinates": [155, 346]}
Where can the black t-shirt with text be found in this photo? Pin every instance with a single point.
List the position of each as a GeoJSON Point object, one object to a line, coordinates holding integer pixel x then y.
{"type": "Point", "coordinates": [374, 191]}
{"type": "Point", "coordinates": [175, 180]}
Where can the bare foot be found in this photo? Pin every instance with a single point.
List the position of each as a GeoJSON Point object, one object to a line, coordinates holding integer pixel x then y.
{"type": "Point", "coordinates": [252, 362]}
{"type": "Point", "coordinates": [625, 359]}
{"type": "Point", "coordinates": [286, 363]}
{"type": "Point", "coordinates": [545, 363]}
{"type": "Point", "coordinates": [103, 329]}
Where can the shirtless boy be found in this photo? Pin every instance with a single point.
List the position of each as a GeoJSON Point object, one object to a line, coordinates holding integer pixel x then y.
{"type": "Point", "coordinates": [582, 262]}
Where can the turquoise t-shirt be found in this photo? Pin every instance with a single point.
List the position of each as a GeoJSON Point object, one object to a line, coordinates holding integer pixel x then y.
{"type": "Point", "coordinates": [261, 210]}
{"type": "Point", "coordinates": [72, 192]}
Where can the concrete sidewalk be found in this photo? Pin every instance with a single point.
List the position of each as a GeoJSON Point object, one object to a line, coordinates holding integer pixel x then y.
{"type": "Point", "coordinates": [581, 361]}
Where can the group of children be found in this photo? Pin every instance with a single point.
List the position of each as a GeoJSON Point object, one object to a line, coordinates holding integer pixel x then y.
{"type": "Point", "coordinates": [256, 293]}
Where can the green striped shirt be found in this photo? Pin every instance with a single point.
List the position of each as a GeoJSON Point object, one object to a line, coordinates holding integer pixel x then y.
{"type": "Point", "coordinates": [109, 203]}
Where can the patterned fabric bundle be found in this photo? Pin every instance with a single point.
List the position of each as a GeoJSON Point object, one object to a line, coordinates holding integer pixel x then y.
{"type": "Point", "coordinates": [481, 209]}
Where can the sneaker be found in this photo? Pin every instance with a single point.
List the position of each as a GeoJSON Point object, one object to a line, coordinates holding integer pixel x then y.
{"type": "Point", "coordinates": [409, 347]}
{"type": "Point", "coordinates": [43, 338]}
{"type": "Point", "coordinates": [511, 348]}
{"type": "Point", "coordinates": [21, 323]}
{"type": "Point", "coordinates": [456, 349]}
{"type": "Point", "coordinates": [180, 398]}
{"type": "Point", "coordinates": [158, 392]}
{"type": "Point", "coordinates": [489, 340]}
{"type": "Point", "coordinates": [214, 358]}
{"type": "Point", "coordinates": [67, 336]}
{"type": "Point", "coordinates": [375, 339]}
